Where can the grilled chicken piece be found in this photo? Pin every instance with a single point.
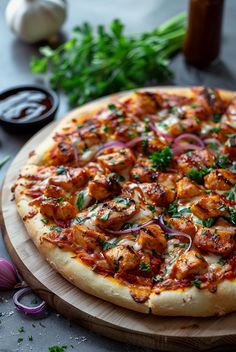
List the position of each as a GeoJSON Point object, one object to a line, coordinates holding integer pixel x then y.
{"type": "Point", "coordinates": [220, 179]}
{"type": "Point", "coordinates": [119, 159]}
{"type": "Point", "coordinates": [91, 134]}
{"type": "Point", "coordinates": [57, 210]}
{"type": "Point", "coordinates": [116, 212]}
{"type": "Point", "coordinates": [152, 237]}
{"type": "Point", "coordinates": [230, 147]}
{"type": "Point", "coordinates": [74, 178]}
{"type": "Point", "coordinates": [143, 171]}
{"type": "Point", "coordinates": [221, 131]}
{"type": "Point", "coordinates": [86, 238]}
{"type": "Point", "coordinates": [102, 187]}
{"type": "Point", "coordinates": [209, 207]}
{"type": "Point", "coordinates": [215, 241]}
{"type": "Point", "coordinates": [52, 191]}
{"type": "Point", "coordinates": [158, 194]}
{"type": "Point", "coordinates": [185, 125]}
{"type": "Point", "coordinates": [196, 159]}
{"type": "Point", "coordinates": [188, 264]}
{"type": "Point", "coordinates": [187, 189]}
{"type": "Point", "coordinates": [64, 152]}
{"type": "Point", "coordinates": [196, 111]}
{"type": "Point", "coordinates": [122, 258]}
{"type": "Point", "coordinates": [182, 225]}
{"type": "Point", "coordinates": [167, 180]}
{"type": "Point", "coordinates": [210, 99]}
{"type": "Point", "coordinates": [143, 103]}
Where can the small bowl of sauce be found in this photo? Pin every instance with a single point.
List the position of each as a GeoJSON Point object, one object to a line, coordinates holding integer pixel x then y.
{"type": "Point", "coordinates": [27, 107]}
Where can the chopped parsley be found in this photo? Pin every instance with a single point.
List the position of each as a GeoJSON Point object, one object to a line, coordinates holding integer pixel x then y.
{"type": "Point", "coordinates": [125, 201]}
{"type": "Point", "coordinates": [80, 220]}
{"type": "Point", "coordinates": [45, 220]}
{"type": "Point", "coordinates": [60, 170]}
{"type": "Point", "coordinates": [222, 160]}
{"type": "Point", "coordinates": [157, 278]}
{"type": "Point", "coordinates": [116, 265]}
{"type": "Point", "coordinates": [221, 262]}
{"type": "Point", "coordinates": [113, 176]}
{"type": "Point", "coordinates": [127, 225]}
{"type": "Point", "coordinates": [114, 109]}
{"type": "Point", "coordinates": [232, 216]}
{"type": "Point", "coordinates": [105, 216]}
{"type": "Point", "coordinates": [105, 129]}
{"type": "Point", "coordinates": [21, 329]}
{"type": "Point", "coordinates": [30, 338]}
{"type": "Point", "coordinates": [161, 158]}
{"type": "Point", "coordinates": [173, 210]}
{"type": "Point", "coordinates": [144, 145]}
{"type": "Point", "coordinates": [145, 267]}
{"type": "Point", "coordinates": [214, 130]}
{"type": "Point", "coordinates": [213, 146]}
{"type": "Point", "coordinates": [57, 348]}
{"type": "Point", "coordinates": [20, 339]}
{"type": "Point", "coordinates": [207, 222]}
{"type": "Point", "coordinates": [107, 245]}
{"type": "Point", "coordinates": [56, 228]}
{"type": "Point", "coordinates": [231, 194]}
{"type": "Point", "coordinates": [217, 117]}
{"type": "Point", "coordinates": [197, 283]}
{"type": "Point", "coordinates": [80, 201]}
{"type": "Point", "coordinates": [59, 200]}
{"type": "Point", "coordinates": [198, 175]}
{"type": "Point", "coordinates": [151, 207]}
{"type": "Point", "coordinates": [93, 206]}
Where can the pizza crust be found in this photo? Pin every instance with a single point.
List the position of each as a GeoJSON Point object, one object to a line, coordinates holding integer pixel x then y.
{"type": "Point", "coordinates": [72, 269]}
{"type": "Point", "coordinates": [182, 302]}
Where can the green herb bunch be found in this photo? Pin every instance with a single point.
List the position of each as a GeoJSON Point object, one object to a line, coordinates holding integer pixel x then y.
{"type": "Point", "coordinates": [92, 64]}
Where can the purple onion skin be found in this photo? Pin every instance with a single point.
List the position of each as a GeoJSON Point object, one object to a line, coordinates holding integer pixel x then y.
{"type": "Point", "coordinates": [8, 275]}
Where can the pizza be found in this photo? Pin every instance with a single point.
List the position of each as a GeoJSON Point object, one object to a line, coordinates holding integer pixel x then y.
{"type": "Point", "coordinates": [133, 200]}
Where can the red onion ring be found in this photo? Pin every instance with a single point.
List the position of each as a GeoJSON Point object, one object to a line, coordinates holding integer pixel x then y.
{"type": "Point", "coordinates": [132, 229]}
{"type": "Point", "coordinates": [136, 140]}
{"type": "Point", "coordinates": [191, 136]}
{"type": "Point", "coordinates": [26, 309]}
{"type": "Point", "coordinates": [108, 145]}
{"type": "Point", "coordinates": [8, 275]}
{"type": "Point", "coordinates": [173, 232]}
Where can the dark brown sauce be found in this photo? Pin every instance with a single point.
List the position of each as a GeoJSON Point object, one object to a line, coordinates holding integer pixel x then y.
{"type": "Point", "coordinates": [25, 106]}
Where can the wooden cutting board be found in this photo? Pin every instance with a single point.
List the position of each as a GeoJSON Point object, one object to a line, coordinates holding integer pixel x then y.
{"type": "Point", "coordinates": [163, 333]}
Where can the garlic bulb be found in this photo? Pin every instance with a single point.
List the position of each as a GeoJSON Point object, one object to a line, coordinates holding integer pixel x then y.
{"type": "Point", "coordinates": [35, 20]}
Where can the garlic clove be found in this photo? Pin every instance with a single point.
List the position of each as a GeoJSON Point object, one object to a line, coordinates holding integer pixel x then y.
{"type": "Point", "coordinates": [35, 20]}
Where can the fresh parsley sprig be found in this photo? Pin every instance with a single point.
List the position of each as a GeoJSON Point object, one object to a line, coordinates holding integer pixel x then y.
{"type": "Point", "coordinates": [95, 63]}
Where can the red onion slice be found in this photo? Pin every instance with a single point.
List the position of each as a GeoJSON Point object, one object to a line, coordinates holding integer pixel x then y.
{"type": "Point", "coordinates": [136, 140]}
{"type": "Point", "coordinates": [26, 309]}
{"type": "Point", "coordinates": [132, 229]}
{"type": "Point", "coordinates": [173, 232]}
{"type": "Point", "coordinates": [8, 275]}
{"type": "Point", "coordinates": [190, 136]}
{"type": "Point", "coordinates": [108, 145]}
